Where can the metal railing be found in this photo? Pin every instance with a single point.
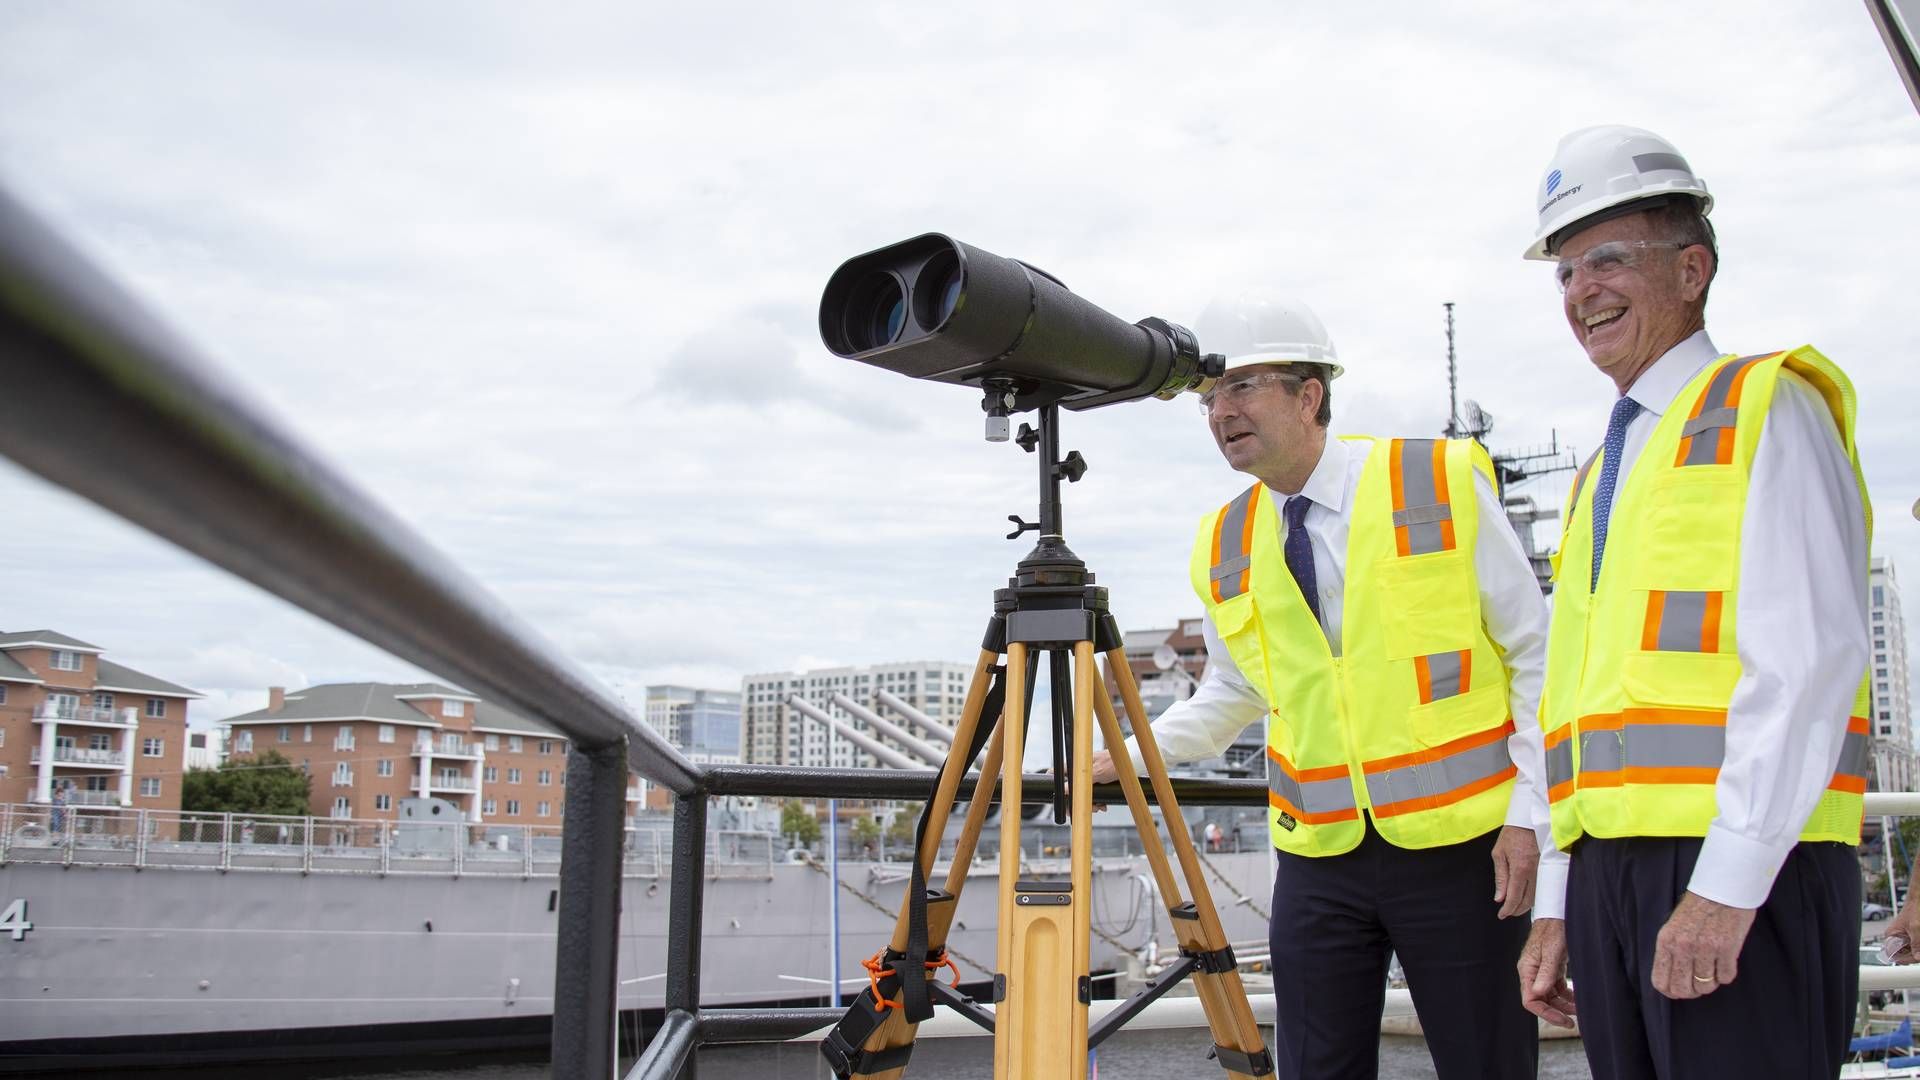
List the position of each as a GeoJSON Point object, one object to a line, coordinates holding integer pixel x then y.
{"type": "Point", "coordinates": [73, 755]}
{"type": "Point", "coordinates": [85, 714]}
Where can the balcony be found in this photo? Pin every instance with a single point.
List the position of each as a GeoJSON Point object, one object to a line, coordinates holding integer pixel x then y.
{"type": "Point", "coordinates": [92, 798]}
{"type": "Point", "coordinates": [470, 751]}
{"type": "Point", "coordinates": [343, 779]}
{"type": "Point", "coordinates": [450, 783]}
{"type": "Point", "coordinates": [73, 755]}
{"type": "Point", "coordinates": [86, 714]}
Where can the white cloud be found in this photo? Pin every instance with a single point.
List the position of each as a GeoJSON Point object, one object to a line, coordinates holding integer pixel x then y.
{"type": "Point", "coordinates": [545, 283]}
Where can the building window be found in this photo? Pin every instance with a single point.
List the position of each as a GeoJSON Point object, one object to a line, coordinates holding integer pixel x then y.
{"type": "Point", "coordinates": [488, 806]}
{"type": "Point", "coordinates": [383, 802]}
{"type": "Point", "coordinates": [546, 776]}
{"type": "Point", "coordinates": [63, 706]}
{"type": "Point", "coordinates": [545, 809]}
{"type": "Point", "coordinates": [493, 742]}
{"type": "Point", "coordinates": [342, 774]}
{"type": "Point", "coordinates": [306, 732]}
{"type": "Point", "coordinates": [153, 747]}
{"type": "Point", "coordinates": [150, 787]}
{"type": "Point", "coordinates": [513, 743]}
{"type": "Point", "coordinates": [157, 708]}
{"type": "Point", "coordinates": [103, 700]}
{"type": "Point", "coordinates": [453, 708]}
{"type": "Point", "coordinates": [65, 661]}
{"type": "Point", "coordinates": [513, 777]}
{"type": "Point", "coordinates": [243, 742]}
{"type": "Point", "coordinates": [3, 693]}
{"type": "Point", "coordinates": [384, 767]}
{"type": "Point", "coordinates": [513, 807]}
{"type": "Point", "coordinates": [342, 806]}
{"type": "Point", "coordinates": [546, 746]}
{"type": "Point", "coordinates": [343, 740]}
{"type": "Point", "coordinates": [286, 733]}
{"type": "Point", "coordinates": [386, 732]}
{"type": "Point", "coordinates": [99, 740]}
{"type": "Point", "coordinates": [491, 773]}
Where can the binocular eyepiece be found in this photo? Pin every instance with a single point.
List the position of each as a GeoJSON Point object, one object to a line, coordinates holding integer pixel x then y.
{"type": "Point", "coordinates": [935, 308]}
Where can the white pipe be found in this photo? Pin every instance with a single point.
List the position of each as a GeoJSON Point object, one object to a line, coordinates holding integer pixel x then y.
{"type": "Point", "coordinates": [886, 754]}
{"type": "Point", "coordinates": [931, 755]}
{"type": "Point", "coordinates": [934, 728]}
{"type": "Point", "coordinates": [1895, 803]}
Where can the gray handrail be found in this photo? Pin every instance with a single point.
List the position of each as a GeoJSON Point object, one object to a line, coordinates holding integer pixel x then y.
{"type": "Point", "coordinates": [174, 447]}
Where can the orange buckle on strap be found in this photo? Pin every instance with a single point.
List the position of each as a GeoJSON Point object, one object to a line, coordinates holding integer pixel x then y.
{"type": "Point", "coordinates": [878, 969]}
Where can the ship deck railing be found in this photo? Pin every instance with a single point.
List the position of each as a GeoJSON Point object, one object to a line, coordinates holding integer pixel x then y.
{"type": "Point", "coordinates": [176, 448]}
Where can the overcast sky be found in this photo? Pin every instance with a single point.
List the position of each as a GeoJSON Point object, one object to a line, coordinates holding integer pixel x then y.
{"type": "Point", "coordinates": [542, 278]}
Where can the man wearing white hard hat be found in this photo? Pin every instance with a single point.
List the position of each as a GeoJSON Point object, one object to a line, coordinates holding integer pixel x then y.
{"type": "Point", "coordinates": [1368, 601]}
{"type": "Point", "coordinates": [1705, 708]}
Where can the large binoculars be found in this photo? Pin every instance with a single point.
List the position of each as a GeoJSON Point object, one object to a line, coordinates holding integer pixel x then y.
{"type": "Point", "coordinates": [935, 308]}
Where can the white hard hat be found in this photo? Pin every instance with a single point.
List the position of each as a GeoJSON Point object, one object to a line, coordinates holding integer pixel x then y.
{"type": "Point", "coordinates": [1250, 330]}
{"type": "Point", "coordinates": [1602, 168]}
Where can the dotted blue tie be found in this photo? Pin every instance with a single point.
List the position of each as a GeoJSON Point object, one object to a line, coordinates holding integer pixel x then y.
{"type": "Point", "coordinates": [1299, 552]}
{"type": "Point", "coordinates": [1624, 411]}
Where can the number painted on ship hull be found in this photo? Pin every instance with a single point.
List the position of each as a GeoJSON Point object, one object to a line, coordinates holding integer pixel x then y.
{"type": "Point", "coordinates": [14, 919]}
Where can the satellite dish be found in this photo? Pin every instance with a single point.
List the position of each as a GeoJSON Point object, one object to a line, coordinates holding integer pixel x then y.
{"type": "Point", "coordinates": [1479, 420]}
{"type": "Point", "coordinates": [1165, 658]}
{"type": "Point", "coordinates": [1916, 508]}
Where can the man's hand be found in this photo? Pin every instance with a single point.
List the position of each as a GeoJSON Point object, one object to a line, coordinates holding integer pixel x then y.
{"type": "Point", "coordinates": [1516, 858]}
{"type": "Point", "coordinates": [1698, 950]}
{"type": "Point", "coordinates": [1904, 924]}
{"type": "Point", "coordinates": [1543, 973]}
{"type": "Point", "coordinates": [1103, 770]}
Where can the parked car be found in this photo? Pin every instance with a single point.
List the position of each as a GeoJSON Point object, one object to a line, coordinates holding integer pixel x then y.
{"type": "Point", "coordinates": [1875, 911]}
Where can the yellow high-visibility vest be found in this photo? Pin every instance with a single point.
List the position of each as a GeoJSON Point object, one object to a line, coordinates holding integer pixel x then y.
{"type": "Point", "coordinates": [1410, 723]}
{"type": "Point", "coordinates": [1640, 672]}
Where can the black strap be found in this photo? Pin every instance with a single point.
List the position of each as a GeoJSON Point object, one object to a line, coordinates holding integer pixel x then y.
{"type": "Point", "coordinates": [1257, 1063]}
{"type": "Point", "coordinates": [842, 1046]}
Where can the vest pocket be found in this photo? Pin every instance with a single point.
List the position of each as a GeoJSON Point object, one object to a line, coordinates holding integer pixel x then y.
{"type": "Point", "coordinates": [1690, 544]}
{"type": "Point", "coordinates": [1427, 604]}
{"type": "Point", "coordinates": [1233, 620]}
{"type": "Point", "coordinates": [1692, 680]}
{"type": "Point", "coordinates": [1446, 719]}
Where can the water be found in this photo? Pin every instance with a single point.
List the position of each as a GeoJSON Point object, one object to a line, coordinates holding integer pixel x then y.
{"type": "Point", "coordinates": [1143, 1055]}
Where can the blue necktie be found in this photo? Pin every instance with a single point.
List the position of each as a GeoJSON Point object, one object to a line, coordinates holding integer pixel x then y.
{"type": "Point", "coordinates": [1624, 411]}
{"type": "Point", "coordinates": [1300, 552]}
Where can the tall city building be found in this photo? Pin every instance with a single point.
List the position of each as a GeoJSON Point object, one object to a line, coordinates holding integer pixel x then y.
{"type": "Point", "coordinates": [1184, 648]}
{"type": "Point", "coordinates": [1892, 697]}
{"type": "Point", "coordinates": [81, 730]}
{"type": "Point", "coordinates": [705, 725]}
{"type": "Point", "coordinates": [779, 733]}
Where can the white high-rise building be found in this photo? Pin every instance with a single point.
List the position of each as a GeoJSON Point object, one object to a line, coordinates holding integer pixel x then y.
{"type": "Point", "coordinates": [1892, 698]}
{"type": "Point", "coordinates": [778, 734]}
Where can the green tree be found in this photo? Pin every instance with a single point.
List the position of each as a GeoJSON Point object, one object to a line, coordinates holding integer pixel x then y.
{"type": "Point", "coordinates": [263, 784]}
{"type": "Point", "coordinates": [865, 831]}
{"type": "Point", "coordinates": [797, 821]}
{"type": "Point", "coordinates": [902, 825]}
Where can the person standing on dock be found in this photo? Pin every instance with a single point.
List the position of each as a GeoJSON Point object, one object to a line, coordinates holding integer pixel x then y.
{"type": "Point", "coordinates": [1367, 601]}
{"type": "Point", "coordinates": [1705, 706]}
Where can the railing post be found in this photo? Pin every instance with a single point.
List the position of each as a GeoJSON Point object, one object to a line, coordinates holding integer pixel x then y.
{"type": "Point", "coordinates": [587, 971]}
{"type": "Point", "coordinates": [526, 849]}
{"type": "Point", "coordinates": [226, 842]}
{"type": "Point", "coordinates": [6, 833]}
{"type": "Point", "coordinates": [140, 839]}
{"type": "Point", "coordinates": [684, 905]}
{"type": "Point", "coordinates": [386, 848]}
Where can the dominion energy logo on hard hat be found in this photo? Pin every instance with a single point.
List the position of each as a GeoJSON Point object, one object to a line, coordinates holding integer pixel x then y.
{"type": "Point", "coordinates": [1553, 180]}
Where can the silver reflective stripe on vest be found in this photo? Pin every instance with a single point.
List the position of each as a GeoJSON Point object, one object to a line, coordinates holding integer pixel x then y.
{"type": "Point", "coordinates": [1653, 746]}
{"type": "Point", "coordinates": [1417, 489]}
{"type": "Point", "coordinates": [1233, 531]}
{"type": "Point", "coordinates": [1681, 617]}
{"type": "Point", "coordinates": [1432, 778]}
{"type": "Point", "coordinates": [1856, 755]}
{"type": "Point", "coordinates": [1560, 764]}
{"type": "Point", "coordinates": [1443, 674]}
{"type": "Point", "coordinates": [1313, 797]}
{"type": "Point", "coordinates": [1714, 414]}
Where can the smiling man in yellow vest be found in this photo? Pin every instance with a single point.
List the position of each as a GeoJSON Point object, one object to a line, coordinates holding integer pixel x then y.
{"type": "Point", "coordinates": [1705, 704]}
{"type": "Point", "coordinates": [1368, 600]}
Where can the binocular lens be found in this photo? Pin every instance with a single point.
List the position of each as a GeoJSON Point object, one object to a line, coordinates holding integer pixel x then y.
{"type": "Point", "coordinates": [937, 292]}
{"type": "Point", "coordinates": [875, 312]}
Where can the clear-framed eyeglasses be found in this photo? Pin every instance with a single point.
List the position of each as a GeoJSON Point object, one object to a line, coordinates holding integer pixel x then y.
{"type": "Point", "coordinates": [1605, 260]}
{"type": "Point", "coordinates": [1236, 388]}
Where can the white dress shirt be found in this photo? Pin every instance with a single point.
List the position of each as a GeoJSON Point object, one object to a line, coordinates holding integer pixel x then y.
{"type": "Point", "coordinates": [1801, 622]}
{"type": "Point", "coordinates": [1511, 607]}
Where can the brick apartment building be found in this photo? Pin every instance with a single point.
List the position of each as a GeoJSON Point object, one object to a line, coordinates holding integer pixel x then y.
{"type": "Point", "coordinates": [69, 717]}
{"type": "Point", "coordinates": [369, 745]}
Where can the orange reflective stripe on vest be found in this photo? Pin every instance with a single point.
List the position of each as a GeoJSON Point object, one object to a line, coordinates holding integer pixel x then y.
{"type": "Point", "coordinates": [1671, 746]}
{"type": "Point", "coordinates": [1232, 569]}
{"type": "Point", "coordinates": [1440, 775]}
{"type": "Point", "coordinates": [1315, 796]}
{"type": "Point", "coordinates": [1422, 514]}
{"type": "Point", "coordinates": [1707, 438]}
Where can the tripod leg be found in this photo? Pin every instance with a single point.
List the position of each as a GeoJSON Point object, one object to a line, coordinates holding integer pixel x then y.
{"type": "Point", "coordinates": [1236, 1034]}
